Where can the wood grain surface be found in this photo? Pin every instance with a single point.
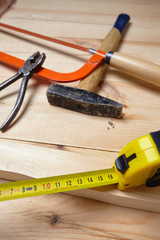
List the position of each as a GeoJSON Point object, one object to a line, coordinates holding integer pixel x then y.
{"type": "Point", "coordinates": [141, 101]}
{"type": "Point", "coordinates": [5, 5]}
{"type": "Point", "coordinates": [46, 140]}
{"type": "Point", "coordinates": [40, 161]}
{"type": "Point", "coordinates": [61, 216]}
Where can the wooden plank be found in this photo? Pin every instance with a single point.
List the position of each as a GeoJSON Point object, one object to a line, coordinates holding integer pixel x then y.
{"type": "Point", "coordinates": [39, 123]}
{"type": "Point", "coordinates": [45, 160]}
{"type": "Point", "coordinates": [5, 5]}
{"type": "Point", "coordinates": [48, 216]}
{"type": "Point", "coordinates": [82, 130]}
{"type": "Point", "coordinates": [139, 114]}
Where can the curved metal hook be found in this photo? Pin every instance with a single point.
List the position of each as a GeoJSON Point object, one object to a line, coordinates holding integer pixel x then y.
{"type": "Point", "coordinates": [51, 75]}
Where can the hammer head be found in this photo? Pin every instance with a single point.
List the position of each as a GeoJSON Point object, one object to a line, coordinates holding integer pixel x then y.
{"type": "Point", "coordinates": [83, 101]}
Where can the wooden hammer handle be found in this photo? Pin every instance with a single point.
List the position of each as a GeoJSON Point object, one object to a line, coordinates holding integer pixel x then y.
{"type": "Point", "coordinates": [110, 43]}
{"type": "Point", "coordinates": [138, 68]}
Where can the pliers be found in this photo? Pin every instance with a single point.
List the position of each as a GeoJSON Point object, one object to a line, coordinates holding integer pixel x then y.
{"type": "Point", "coordinates": [31, 65]}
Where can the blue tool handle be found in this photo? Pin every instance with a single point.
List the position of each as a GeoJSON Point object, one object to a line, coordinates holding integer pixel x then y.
{"type": "Point", "coordinates": [121, 21]}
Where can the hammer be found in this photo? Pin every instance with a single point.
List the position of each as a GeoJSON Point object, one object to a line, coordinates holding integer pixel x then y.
{"type": "Point", "coordinates": [83, 99]}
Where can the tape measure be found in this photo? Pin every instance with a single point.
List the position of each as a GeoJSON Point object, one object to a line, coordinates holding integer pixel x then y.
{"type": "Point", "coordinates": [137, 162]}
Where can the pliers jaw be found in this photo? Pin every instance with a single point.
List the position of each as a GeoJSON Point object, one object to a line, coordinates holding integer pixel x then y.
{"type": "Point", "coordinates": [31, 65]}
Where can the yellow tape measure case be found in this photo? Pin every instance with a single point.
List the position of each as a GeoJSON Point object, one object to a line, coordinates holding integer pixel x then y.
{"type": "Point", "coordinates": [138, 161]}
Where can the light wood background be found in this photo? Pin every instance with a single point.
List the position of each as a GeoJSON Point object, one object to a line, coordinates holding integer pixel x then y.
{"type": "Point", "coordinates": [46, 140]}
